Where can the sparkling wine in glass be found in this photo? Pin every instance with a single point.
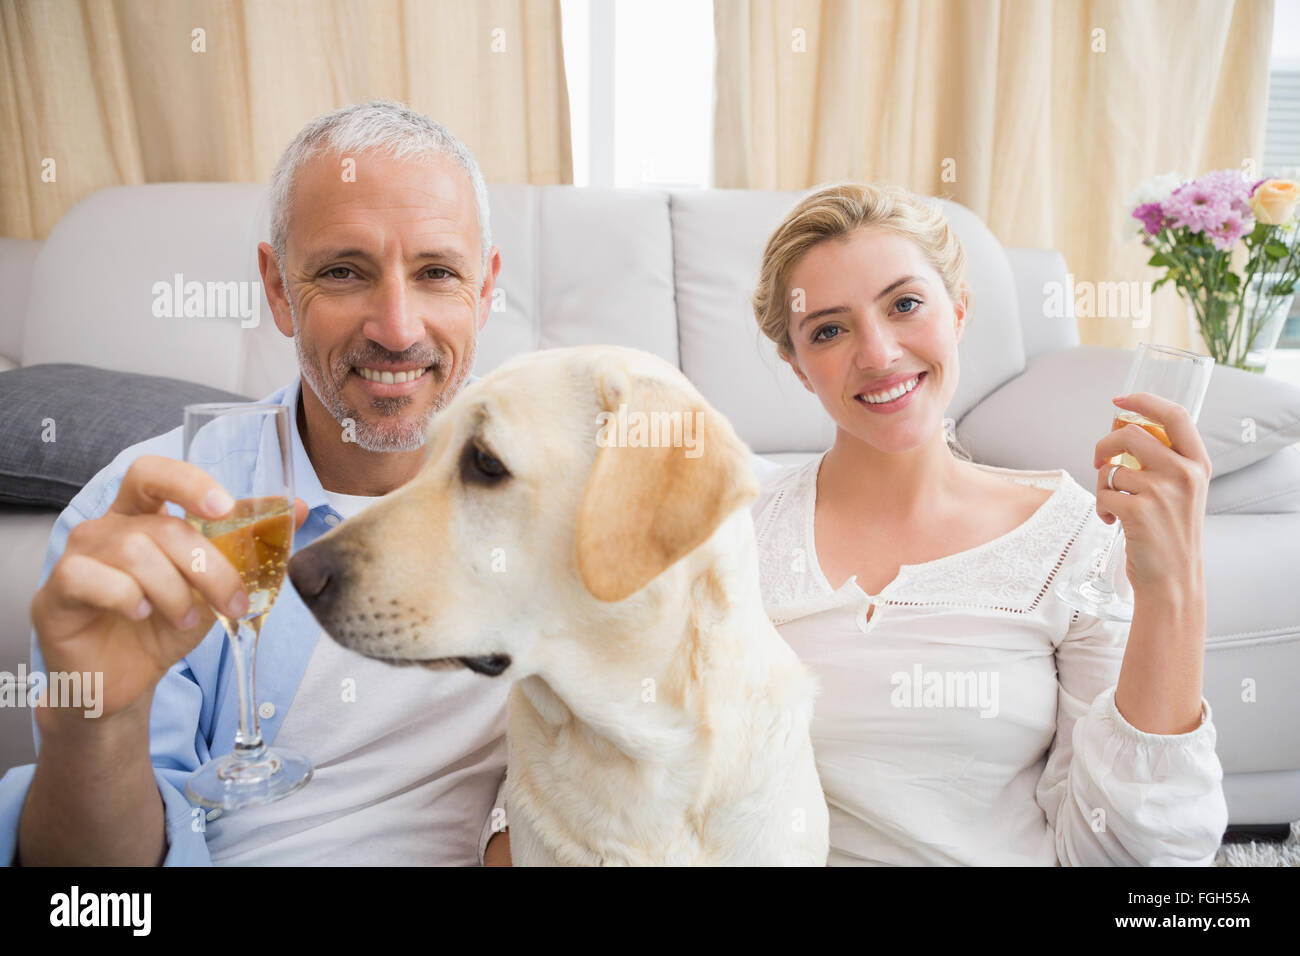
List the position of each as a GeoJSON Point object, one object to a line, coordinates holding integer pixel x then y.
{"type": "Point", "coordinates": [1182, 377]}
{"type": "Point", "coordinates": [246, 448]}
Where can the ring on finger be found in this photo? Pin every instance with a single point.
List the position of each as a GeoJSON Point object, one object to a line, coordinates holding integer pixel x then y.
{"type": "Point", "coordinates": [1110, 478]}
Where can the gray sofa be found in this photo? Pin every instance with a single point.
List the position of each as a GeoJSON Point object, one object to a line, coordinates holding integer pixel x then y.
{"type": "Point", "coordinates": [671, 273]}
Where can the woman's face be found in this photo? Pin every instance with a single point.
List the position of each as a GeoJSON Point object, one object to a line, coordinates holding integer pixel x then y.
{"type": "Point", "coordinates": [876, 339]}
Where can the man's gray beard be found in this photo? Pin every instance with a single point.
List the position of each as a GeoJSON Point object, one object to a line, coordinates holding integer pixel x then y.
{"type": "Point", "coordinates": [403, 436]}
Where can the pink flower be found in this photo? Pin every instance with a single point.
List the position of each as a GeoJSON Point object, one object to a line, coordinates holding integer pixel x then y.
{"type": "Point", "coordinates": [1233, 227]}
{"type": "Point", "coordinates": [1216, 204]}
{"type": "Point", "coordinates": [1228, 185]}
{"type": "Point", "coordinates": [1196, 207]}
{"type": "Point", "coordinates": [1152, 216]}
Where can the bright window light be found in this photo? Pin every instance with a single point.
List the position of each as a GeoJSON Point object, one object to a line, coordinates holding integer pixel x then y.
{"type": "Point", "coordinates": [640, 76]}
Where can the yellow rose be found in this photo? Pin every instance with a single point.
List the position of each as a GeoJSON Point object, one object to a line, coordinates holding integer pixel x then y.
{"type": "Point", "coordinates": [1275, 200]}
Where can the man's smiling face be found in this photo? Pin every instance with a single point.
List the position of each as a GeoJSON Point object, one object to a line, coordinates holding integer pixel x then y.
{"type": "Point", "coordinates": [385, 284]}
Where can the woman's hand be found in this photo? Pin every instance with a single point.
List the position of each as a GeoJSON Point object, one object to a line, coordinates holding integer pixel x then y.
{"type": "Point", "coordinates": [1160, 681]}
{"type": "Point", "coordinates": [1164, 512]}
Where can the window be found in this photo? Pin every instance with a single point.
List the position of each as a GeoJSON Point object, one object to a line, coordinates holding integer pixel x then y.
{"type": "Point", "coordinates": [640, 75]}
{"type": "Point", "coordinates": [1282, 132]}
{"type": "Point", "coordinates": [1282, 128]}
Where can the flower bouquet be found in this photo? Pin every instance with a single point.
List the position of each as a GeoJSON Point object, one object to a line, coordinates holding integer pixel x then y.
{"type": "Point", "coordinates": [1194, 228]}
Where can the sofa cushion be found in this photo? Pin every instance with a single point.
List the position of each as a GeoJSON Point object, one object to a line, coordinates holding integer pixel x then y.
{"type": "Point", "coordinates": [1053, 415]}
{"type": "Point", "coordinates": [718, 239]}
{"type": "Point", "coordinates": [604, 265]}
{"type": "Point", "coordinates": [579, 267]}
{"type": "Point", "coordinates": [62, 423]}
{"type": "Point", "coordinates": [1042, 328]}
{"type": "Point", "coordinates": [514, 321]}
{"type": "Point", "coordinates": [105, 281]}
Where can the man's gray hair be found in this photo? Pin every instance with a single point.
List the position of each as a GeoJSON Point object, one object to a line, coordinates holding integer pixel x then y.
{"type": "Point", "coordinates": [382, 126]}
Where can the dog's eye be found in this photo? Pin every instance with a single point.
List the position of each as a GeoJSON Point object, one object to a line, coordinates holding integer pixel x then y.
{"type": "Point", "coordinates": [481, 466]}
{"type": "Point", "coordinates": [489, 465]}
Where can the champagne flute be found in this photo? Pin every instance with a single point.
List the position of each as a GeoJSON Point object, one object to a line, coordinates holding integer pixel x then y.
{"type": "Point", "coordinates": [1180, 377]}
{"type": "Point", "coordinates": [247, 449]}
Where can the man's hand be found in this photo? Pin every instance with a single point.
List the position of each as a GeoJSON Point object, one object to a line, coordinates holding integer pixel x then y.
{"type": "Point", "coordinates": [124, 599]}
{"type": "Point", "coordinates": [497, 851]}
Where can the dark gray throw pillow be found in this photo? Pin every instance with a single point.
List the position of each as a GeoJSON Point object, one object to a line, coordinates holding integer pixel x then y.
{"type": "Point", "coordinates": [93, 413]}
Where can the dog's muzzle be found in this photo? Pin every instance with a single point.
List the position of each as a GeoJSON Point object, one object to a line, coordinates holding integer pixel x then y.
{"type": "Point", "coordinates": [321, 581]}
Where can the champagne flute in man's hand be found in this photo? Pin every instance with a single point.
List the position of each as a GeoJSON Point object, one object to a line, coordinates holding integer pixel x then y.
{"type": "Point", "coordinates": [247, 448]}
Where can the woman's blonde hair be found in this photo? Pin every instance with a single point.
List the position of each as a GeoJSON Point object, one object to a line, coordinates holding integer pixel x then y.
{"type": "Point", "coordinates": [836, 212]}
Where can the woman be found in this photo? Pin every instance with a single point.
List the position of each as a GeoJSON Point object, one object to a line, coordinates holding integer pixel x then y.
{"type": "Point", "coordinates": [967, 715]}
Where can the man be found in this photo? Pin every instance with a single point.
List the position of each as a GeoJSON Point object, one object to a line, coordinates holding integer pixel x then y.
{"type": "Point", "coordinates": [381, 268]}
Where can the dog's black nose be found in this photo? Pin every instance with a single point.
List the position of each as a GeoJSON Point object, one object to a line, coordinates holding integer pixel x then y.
{"type": "Point", "coordinates": [311, 571]}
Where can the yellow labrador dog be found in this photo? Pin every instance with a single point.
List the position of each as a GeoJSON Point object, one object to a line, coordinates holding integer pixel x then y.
{"type": "Point", "coordinates": [581, 527]}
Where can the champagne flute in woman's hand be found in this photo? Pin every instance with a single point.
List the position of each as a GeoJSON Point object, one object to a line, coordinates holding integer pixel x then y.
{"type": "Point", "coordinates": [247, 448]}
{"type": "Point", "coordinates": [1182, 378]}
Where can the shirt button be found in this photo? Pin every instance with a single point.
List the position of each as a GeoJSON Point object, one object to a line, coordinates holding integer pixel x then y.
{"type": "Point", "coordinates": [213, 814]}
{"type": "Point", "coordinates": [332, 520]}
{"type": "Point", "coordinates": [267, 710]}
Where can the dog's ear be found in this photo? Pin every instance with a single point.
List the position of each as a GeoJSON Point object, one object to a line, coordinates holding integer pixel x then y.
{"type": "Point", "coordinates": [647, 502]}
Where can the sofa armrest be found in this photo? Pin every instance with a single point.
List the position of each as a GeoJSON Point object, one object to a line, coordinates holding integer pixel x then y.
{"type": "Point", "coordinates": [26, 533]}
{"type": "Point", "coordinates": [1250, 562]}
{"type": "Point", "coordinates": [1252, 658]}
{"type": "Point", "coordinates": [17, 256]}
{"type": "Point", "coordinates": [1269, 486]}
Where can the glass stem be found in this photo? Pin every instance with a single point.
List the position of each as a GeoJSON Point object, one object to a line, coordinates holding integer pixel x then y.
{"type": "Point", "coordinates": [248, 738]}
{"type": "Point", "coordinates": [1106, 573]}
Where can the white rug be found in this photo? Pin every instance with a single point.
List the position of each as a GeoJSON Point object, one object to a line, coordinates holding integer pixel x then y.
{"type": "Point", "coordinates": [1286, 853]}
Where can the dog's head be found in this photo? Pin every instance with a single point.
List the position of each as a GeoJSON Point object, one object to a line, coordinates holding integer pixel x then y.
{"type": "Point", "coordinates": [556, 489]}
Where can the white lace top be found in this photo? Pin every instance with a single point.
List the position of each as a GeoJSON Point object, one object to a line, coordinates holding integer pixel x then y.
{"type": "Point", "coordinates": [970, 718]}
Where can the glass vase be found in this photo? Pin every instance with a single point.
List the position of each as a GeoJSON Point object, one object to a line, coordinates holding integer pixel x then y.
{"type": "Point", "coordinates": [1241, 333]}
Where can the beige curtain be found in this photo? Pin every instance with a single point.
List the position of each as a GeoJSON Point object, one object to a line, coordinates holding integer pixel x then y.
{"type": "Point", "coordinates": [1040, 116]}
{"type": "Point", "coordinates": [135, 91]}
